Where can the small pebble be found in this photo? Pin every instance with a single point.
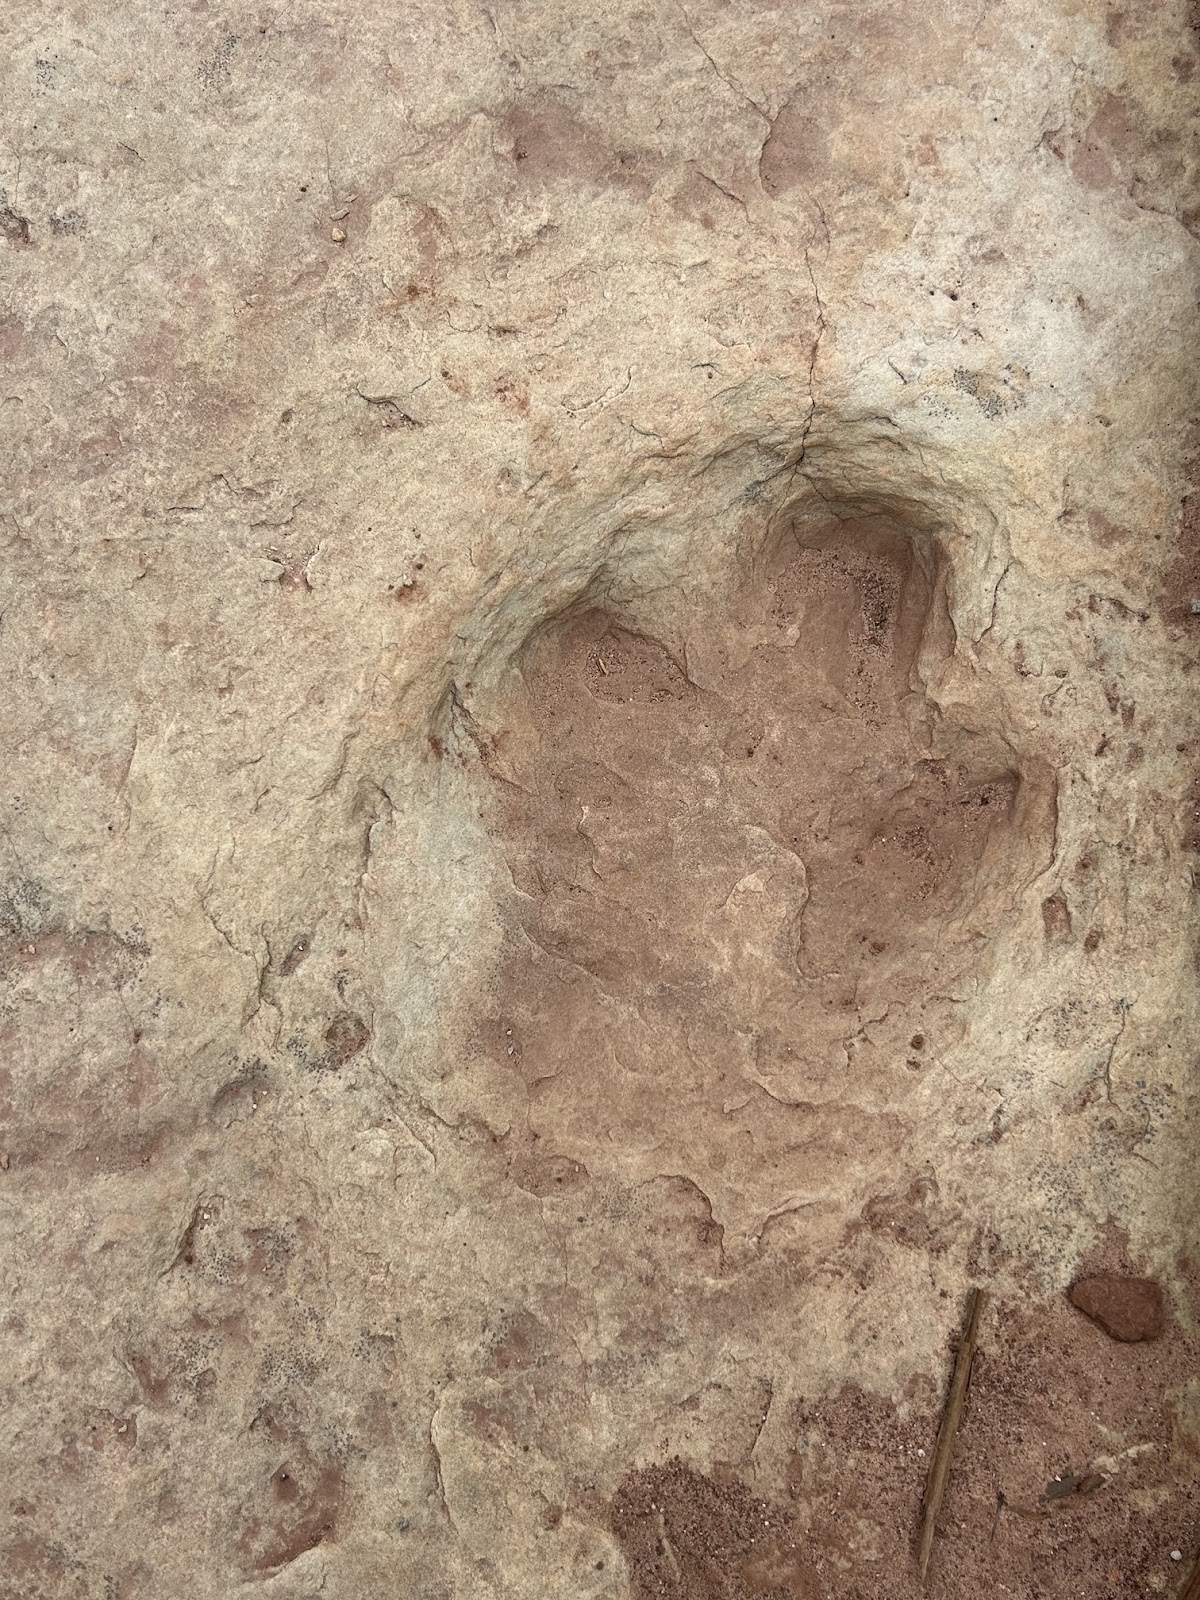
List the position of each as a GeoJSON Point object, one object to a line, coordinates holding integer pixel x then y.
{"type": "Point", "coordinates": [1176, 1555]}
{"type": "Point", "coordinates": [1128, 1309]}
{"type": "Point", "coordinates": [338, 236]}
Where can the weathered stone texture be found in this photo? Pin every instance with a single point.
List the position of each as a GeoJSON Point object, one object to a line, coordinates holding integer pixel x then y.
{"type": "Point", "coordinates": [536, 538]}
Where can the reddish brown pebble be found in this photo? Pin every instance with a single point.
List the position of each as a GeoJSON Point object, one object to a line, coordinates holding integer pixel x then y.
{"type": "Point", "coordinates": [1128, 1309]}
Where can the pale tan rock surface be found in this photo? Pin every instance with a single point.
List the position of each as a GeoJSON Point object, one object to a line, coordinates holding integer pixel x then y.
{"type": "Point", "coordinates": [436, 1083]}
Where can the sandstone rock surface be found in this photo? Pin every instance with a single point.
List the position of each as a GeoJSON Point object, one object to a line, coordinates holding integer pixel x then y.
{"type": "Point", "coordinates": [600, 792]}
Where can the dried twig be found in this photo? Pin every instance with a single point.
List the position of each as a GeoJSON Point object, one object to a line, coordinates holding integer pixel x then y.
{"type": "Point", "coordinates": [1191, 1589]}
{"type": "Point", "coordinates": [939, 1467]}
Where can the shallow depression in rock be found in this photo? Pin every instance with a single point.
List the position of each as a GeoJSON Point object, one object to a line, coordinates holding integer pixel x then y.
{"type": "Point", "coordinates": [749, 873]}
